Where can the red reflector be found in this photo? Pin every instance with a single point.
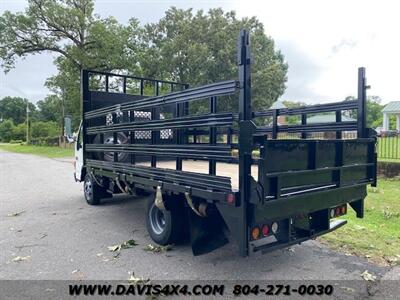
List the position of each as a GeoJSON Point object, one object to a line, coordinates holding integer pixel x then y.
{"type": "Point", "coordinates": [265, 230]}
{"type": "Point", "coordinates": [230, 198]}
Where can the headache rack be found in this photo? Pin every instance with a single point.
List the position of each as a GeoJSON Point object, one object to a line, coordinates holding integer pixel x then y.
{"type": "Point", "coordinates": [151, 146]}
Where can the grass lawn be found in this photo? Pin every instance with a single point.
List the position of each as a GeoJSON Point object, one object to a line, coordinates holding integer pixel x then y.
{"type": "Point", "coordinates": [389, 160]}
{"type": "Point", "coordinates": [377, 236]}
{"type": "Point", "coordinates": [52, 152]}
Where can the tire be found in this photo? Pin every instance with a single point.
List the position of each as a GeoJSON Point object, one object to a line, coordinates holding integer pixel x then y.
{"type": "Point", "coordinates": [92, 191]}
{"type": "Point", "coordinates": [109, 140]}
{"type": "Point", "coordinates": [165, 226]}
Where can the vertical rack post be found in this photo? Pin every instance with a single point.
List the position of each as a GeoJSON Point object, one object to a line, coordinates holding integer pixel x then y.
{"type": "Point", "coordinates": [124, 85]}
{"type": "Point", "coordinates": [275, 124]}
{"type": "Point", "coordinates": [86, 103]}
{"type": "Point", "coordinates": [244, 147]}
{"type": "Point", "coordinates": [212, 165]}
{"type": "Point", "coordinates": [155, 134]}
{"type": "Point", "coordinates": [185, 137]}
{"type": "Point", "coordinates": [362, 104]}
{"type": "Point", "coordinates": [181, 109]}
{"type": "Point", "coordinates": [338, 120]}
{"type": "Point", "coordinates": [116, 119]}
{"type": "Point", "coordinates": [178, 113]}
{"type": "Point", "coordinates": [141, 87]}
{"type": "Point", "coordinates": [229, 135]}
{"type": "Point", "coordinates": [303, 122]}
{"type": "Point", "coordinates": [106, 83]}
{"type": "Point", "coordinates": [132, 119]}
{"type": "Point", "coordinates": [132, 135]}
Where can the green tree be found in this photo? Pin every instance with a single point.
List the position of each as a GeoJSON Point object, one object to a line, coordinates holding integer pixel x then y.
{"type": "Point", "coordinates": [19, 132]}
{"type": "Point", "coordinates": [200, 48]}
{"type": "Point", "coordinates": [293, 104]}
{"type": "Point", "coordinates": [50, 109]}
{"type": "Point", "coordinates": [6, 130]}
{"type": "Point", "coordinates": [374, 111]}
{"type": "Point", "coordinates": [14, 108]}
{"type": "Point", "coordinates": [183, 46]}
{"type": "Point", "coordinates": [68, 28]}
{"type": "Point", "coordinates": [44, 129]}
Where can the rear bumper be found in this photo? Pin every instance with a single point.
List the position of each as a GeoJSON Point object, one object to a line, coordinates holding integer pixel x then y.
{"type": "Point", "coordinates": [278, 245]}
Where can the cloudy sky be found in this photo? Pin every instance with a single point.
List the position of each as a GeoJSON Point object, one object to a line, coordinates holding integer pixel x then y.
{"type": "Point", "coordinates": [324, 42]}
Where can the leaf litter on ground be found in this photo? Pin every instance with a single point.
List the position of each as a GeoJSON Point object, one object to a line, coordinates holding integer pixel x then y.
{"type": "Point", "coordinates": [134, 280]}
{"type": "Point", "coordinates": [125, 245]}
{"type": "Point", "coordinates": [368, 276]}
{"type": "Point", "coordinates": [20, 258]}
{"type": "Point", "coordinates": [158, 249]}
{"type": "Point", "coordinates": [16, 214]}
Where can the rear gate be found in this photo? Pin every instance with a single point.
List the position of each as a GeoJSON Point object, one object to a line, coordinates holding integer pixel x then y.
{"type": "Point", "coordinates": [299, 182]}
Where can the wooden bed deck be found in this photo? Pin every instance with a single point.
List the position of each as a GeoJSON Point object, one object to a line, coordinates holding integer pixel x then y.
{"type": "Point", "coordinates": [223, 169]}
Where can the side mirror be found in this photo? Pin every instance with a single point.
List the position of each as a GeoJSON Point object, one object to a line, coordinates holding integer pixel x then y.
{"type": "Point", "coordinates": [68, 129]}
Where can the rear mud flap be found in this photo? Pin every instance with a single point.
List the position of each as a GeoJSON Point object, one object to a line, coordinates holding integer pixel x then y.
{"type": "Point", "coordinates": [206, 234]}
{"type": "Point", "coordinates": [358, 207]}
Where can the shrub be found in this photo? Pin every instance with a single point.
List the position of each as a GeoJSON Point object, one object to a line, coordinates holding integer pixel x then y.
{"type": "Point", "coordinates": [44, 129]}
{"type": "Point", "coordinates": [19, 132]}
{"type": "Point", "coordinates": [16, 141]}
{"type": "Point", "coordinates": [45, 141]}
{"type": "Point", "coordinates": [6, 130]}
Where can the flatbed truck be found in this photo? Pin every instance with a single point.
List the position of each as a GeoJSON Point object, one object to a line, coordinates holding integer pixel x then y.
{"type": "Point", "coordinates": [220, 174]}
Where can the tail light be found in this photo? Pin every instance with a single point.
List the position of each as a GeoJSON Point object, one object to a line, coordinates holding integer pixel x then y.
{"type": "Point", "coordinates": [230, 198]}
{"type": "Point", "coordinates": [338, 211]}
{"type": "Point", "coordinates": [265, 230]}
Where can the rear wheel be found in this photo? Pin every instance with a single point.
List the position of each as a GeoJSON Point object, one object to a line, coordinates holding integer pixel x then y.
{"type": "Point", "coordinates": [92, 191]}
{"type": "Point", "coordinates": [165, 226]}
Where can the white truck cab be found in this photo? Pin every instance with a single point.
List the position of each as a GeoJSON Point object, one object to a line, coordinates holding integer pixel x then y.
{"type": "Point", "coordinates": [77, 139]}
{"type": "Point", "coordinates": [78, 163]}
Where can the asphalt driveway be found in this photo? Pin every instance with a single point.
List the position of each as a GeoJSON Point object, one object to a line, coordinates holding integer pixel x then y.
{"type": "Point", "coordinates": [58, 236]}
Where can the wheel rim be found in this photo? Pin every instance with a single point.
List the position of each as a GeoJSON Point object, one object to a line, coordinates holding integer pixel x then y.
{"type": "Point", "coordinates": [157, 219]}
{"type": "Point", "coordinates": [109, 156]}
{"type": "Point", "coordinates": [88, 189]}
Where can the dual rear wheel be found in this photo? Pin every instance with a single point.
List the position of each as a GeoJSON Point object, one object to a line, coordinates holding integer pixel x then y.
{"type": "Point", "coordinates": [164, 226]}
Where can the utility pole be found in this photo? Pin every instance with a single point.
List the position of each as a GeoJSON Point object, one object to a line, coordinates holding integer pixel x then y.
{"type": "Point", "coordinates": [63, 116]}
{"type": "Point", "coordinates": [27, 122]}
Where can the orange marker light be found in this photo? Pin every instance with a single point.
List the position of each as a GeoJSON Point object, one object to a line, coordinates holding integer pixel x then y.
{"type": "Point", "coordinates": [255, 233]}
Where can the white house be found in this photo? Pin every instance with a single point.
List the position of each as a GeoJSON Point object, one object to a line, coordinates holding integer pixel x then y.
{"type": "Point", "coordinates": [392, 108]}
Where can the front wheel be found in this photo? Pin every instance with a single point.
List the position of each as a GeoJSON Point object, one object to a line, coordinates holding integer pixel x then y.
{"type": "Point", "coordinates": [92, 191]}
{"type": "Point", "coordinates": [165, 226]}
